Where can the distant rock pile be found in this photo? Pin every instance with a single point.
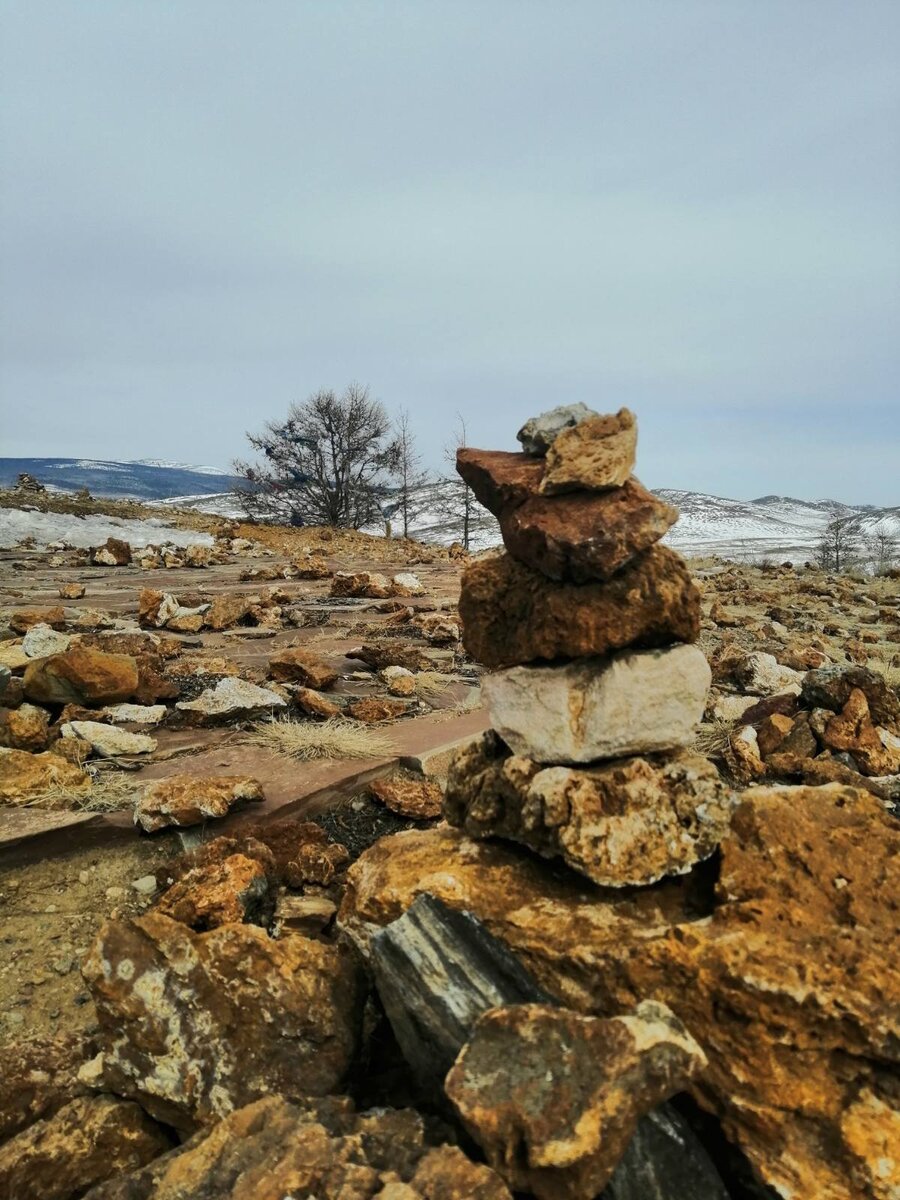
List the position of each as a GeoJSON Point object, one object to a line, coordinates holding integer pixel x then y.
{"type": "Point", "coordinates": [574, 772]}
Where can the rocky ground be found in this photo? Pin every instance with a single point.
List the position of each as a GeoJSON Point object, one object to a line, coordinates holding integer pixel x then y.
{"type": "Point", "coordinates": [193, 891]}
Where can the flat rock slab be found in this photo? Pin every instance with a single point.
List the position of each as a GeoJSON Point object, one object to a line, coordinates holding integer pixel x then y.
{"type": "Point", "coordinates": [511, 614]}
{"type": "Point", "coordinates": [636, 702]}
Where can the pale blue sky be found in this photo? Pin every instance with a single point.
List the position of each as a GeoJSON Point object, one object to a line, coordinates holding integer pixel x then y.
{"type": "Point", "coordinates": [210, 208]}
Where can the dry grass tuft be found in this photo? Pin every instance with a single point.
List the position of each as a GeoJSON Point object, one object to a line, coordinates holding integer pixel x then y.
{"type": "Point", "coordinates": [110, 792]}
{"type": "Point", "coordinates": [336, 738]}
{"type": "Point", "coordinates": [432, 685]}
{"type": "Point", "coordinates": [713, 736]}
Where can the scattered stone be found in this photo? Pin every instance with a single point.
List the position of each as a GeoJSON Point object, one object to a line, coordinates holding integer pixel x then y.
{"type": "Point", "coordinates": [136, 714]}
{"type": "Point", "coordinates": [24, 777]}
{"type": "Point", "coordinates": [553, 1098]}
{"type": "Point", "coordinates": [630, 821]}
{"type": "Point", "coordinates": [636, 702]}
{"type": "Point", "coordinates": [595, 454]}
{"type": "Point", "coordinates": [830, 687]}
{"type": "Point", "coordinates": [419, 799]}
{"type": "Point", "coordinates": [107, 740]}
{"type": "Point", "coordinates": [398, 681]}
{"type": "Point", "coordinates": [368, 585]}
{"type": "Point", "coordinates": [197, 556]}
{"type": "Point", "coordinates": [392, 653]}
{"type": "Point", "coordinates": [39, 1075]}
{"type": "Point", "coordinates": [317, 1149]}
{"type": "Point", "coordinates": [115, 553]}
{"type": "Point", "coordinates": [372, 709]}
{"type": "Point", "coordinates": [437, 628]}
{"type": "Point", "coordinates": [513, 615]}
{"type": "Point", "coordinates": [538, 434]}
{"type": "Point", "coordinates": [13, 657]}
{"type": "Point", "coordinates": [315, 704]}
{"type": "Point", "coordinates": [24, 619]}
{"type": "Point", "coordinates": [236, 889]}
{"type": "Point", "coordinates": [185, 800]}
{"type": "Point", "coordinates": [315, 859]}
{"type": "Point", "coordinates": [407, 584]}
{"type": "Point", "coordinates": [41, 641]}
{"type": "Point", "coordinates": [25, 728]}
{"type": "Point", "coordinates": [227, 611]}
{"type": "Point", "coordinates": [195, 1025]}
{"type": "Point", "coordinates": [309, 915]}
{"type": "Point", "coordinates": [81, 675]}
{"type": "Point", "coordinates": [85, 1142]}
{"type": "Point", "coordinates": [297, 665]}
{"type": "Point", "coordinates": [876, 750]}
{"type": "Point", "coordinates": [230, 697]}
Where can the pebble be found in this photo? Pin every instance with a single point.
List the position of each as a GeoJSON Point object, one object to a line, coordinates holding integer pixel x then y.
{"type": "Point", "coordinates": [146, 885]}
{"type": "Point", "coordinates": [115, 893]}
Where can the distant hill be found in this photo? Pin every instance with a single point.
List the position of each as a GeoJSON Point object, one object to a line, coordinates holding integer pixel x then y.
{"type": "Point", "coordinates": [148, 479]}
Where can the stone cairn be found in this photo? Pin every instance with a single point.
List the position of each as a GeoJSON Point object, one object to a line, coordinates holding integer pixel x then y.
{"type": "Point", "coordinates": [587, 623]}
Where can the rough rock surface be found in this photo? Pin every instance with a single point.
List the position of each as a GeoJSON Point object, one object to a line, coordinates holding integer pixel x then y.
{"type": "Point", "coordinates": [114, 553]}
{"type": "Point", "coordinates": [185, 800]}
{"type": "Point", "coordinates": [539, 433]}
{"type": "Point", "coordinates": [300, 666]}
{"type": "Point", "coordinates": [553, 1097]}
{"type": "Point", "coordinates": [39, 1076]}
{"type": "Point", "coordinates": [237, 889]}
{"type": "Point", "coordinates": [85, 1142]}
{"type": "Point", "coordinates": [830, 687]}
{"type": "Point", "coordinates": [25, 728]}
{"type": "Point", "coordinates": [511, 614]}
{"type": "Point", "coordinates": [578, 537]}
{"type": "Point", "coordinates": [420, 799]}
{"type": "Point", "coordinates": [791, 986]}
{"type": "Point", "coordinates": [41, 641]}
{"type": "Point", "coordinates": [630, 821]}
{"type": "Point", "coordinates": [314, 1150]}
{"type": "Point", "coordinates": [194, 1025]}
{"type": "Point", "coordinates": [24, 776]}
{"type": "Point", "coordinates": [107, 740]}
{"type": "Point", "coordinates": [595, 454]}
{"type": "Point", "coordinates": [82, 675]}
{"type": "Point", "coordinates": [636, 702]}
{"type": "Point", "coordinates": [875, 750]}
{"type": "Point", "coordinates": [23, 620]}
{"type": "Point", "coordinates": [585, 536]}
{"type": "Point", "coordinates": [231, 697]}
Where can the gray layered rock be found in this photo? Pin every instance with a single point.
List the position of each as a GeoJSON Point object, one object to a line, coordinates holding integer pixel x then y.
{"type": "Point", "coordinates": [634, 702]}
{"type": "Point", "coordinates": [539, 433]}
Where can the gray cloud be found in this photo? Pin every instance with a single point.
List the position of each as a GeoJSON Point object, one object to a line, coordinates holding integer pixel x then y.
{"type": "Point", "coordinates": [211, 209]}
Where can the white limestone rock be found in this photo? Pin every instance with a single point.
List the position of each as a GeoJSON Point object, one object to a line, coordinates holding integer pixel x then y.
{"type": "Point", "coordinates": [538, 434]}
{"type": "Point", "coordinates": [41, 641]}
{"type": "Point", "coordinates": [107, 740]}
{"type": "Point", "coordinates": [635, 702]}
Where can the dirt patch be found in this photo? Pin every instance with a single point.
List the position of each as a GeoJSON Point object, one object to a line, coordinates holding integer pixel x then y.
{"type": "Point", "coordinates": [49, 913]}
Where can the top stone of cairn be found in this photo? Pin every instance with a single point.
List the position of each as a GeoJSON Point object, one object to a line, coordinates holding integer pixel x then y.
{"type": "Point", "coordinates": [538, 434]}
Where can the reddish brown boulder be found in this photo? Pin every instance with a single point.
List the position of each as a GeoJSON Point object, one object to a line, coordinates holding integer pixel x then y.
{"type": "Point", "coordinates": [295, 665]}
{"type": "Point", "coordinates": [392, 653]}
{"type": "Point", "coordinates": [22, 621]}
{"type": "Point", "coordinates": [830, 687]}
{"type": "Point", "coordinates": [237, 889]}
{"type": "Point", "coordinates": [40, 1075]}
{"type": "Point", "coordinates": [877, 751]}
{"type": "Point", "coordinates": [372, 709]}
{"type": "Point", "coordinates": [227, 611]}
{"type": "Point", "coordinates": [553, 1098]}
{"type": "Point", "coordinates": [313, 1149]}
{"type": "Point", "coordinates": [25, 728]}
{"type": "Point", "coordinates": [87, 1141]}
{"type": "Point", "coordinates": [314, 704]}
{"type": "Point", "coordinates": [72, 591]}
{"type": "Point", "coordinates": [500, 480]}
{"type": "Point", "coordinates": [195, 1025]}
{"type": "Point", "coordinates": [790, 984]}
{"type": "Point", "coordinates": [82, 675]}
{"type": "Point", "coordinates": [115, 553]}
{"type": "Point", "coordinates": [415, 797]}
{"type": "Point", "coordinates": [585, 536]}
{"type": "Point", "coordinates": [511, 614]}
{"type": "Point", "coordinates": [316, 861]}
{"type": "Point", "coordinates": [25, 777]}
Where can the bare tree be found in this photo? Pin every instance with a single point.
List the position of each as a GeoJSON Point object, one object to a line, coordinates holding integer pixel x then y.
{"type": "Point", "coordinates": [838, 549]}
{"type": "Point", "coordinates": [326, 463]}
{"type": "Point", "coordinates": [883, 549]}
{"type": "Point", "coordinates": [462, 504]}
{"type": "Point", "coordinates": [411, 477]}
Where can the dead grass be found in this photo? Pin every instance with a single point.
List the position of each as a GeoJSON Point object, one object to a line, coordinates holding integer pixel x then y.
{"type": "Point", "coordinates": [713, 737]}
{"type": "Point", "coordinates": [432, 685]}
{"type": "Point", "coordinates": [110, 792]}
{"type": "Point", "coordinates": [336, 738]}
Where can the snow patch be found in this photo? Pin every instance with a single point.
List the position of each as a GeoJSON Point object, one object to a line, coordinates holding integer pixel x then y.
{"type": "Point", "coordinates": [17, 524]}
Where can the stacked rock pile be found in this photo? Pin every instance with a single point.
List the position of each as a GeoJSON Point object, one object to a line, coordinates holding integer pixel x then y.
{"type": "Point", "coordinates": [588, 623]}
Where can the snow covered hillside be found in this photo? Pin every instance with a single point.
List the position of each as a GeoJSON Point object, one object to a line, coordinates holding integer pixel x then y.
{"type": "Point", "coordinates": [19, 523]}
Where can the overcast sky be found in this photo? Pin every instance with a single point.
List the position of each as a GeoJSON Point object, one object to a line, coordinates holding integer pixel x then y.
{"type": "Point", "coordinates": [210, 209]}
